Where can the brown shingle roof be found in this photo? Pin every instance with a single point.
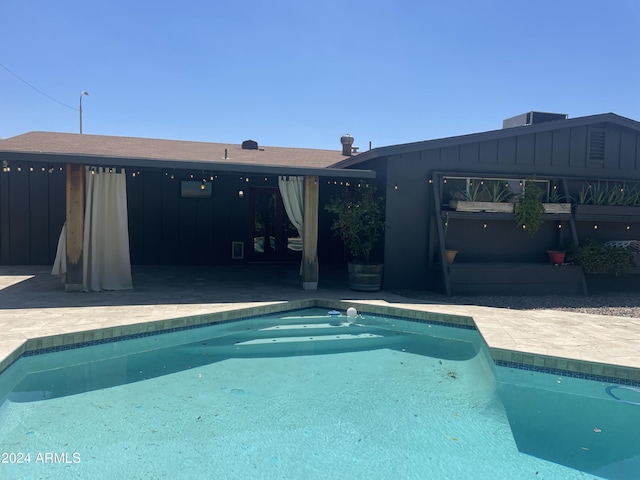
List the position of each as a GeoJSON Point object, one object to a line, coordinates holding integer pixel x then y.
{"type": "Point", "coordinates": [101, 150]}
{"type": "Point", "coordinates": [108, 147]}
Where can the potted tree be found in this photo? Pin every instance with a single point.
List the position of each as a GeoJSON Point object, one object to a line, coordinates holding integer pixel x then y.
{"type": "Point", "coordinates": [359, 222]}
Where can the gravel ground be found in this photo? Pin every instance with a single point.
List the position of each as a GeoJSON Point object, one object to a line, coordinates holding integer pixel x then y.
{"type": "Point", "coordinates": [617, 304]}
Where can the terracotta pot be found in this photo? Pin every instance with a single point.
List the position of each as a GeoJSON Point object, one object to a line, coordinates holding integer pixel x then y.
{"type": "Point", "coordinates": [450, 255]}
{"type": "Point", "coordinates": [555, 257]}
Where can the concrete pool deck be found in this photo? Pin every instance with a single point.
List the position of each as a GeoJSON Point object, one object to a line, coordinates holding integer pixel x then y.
{"type": "Point", "coordinates": [36, 313]}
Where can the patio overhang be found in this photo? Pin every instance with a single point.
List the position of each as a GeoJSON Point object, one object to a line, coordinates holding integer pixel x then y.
{"type": "Point", "coordinates": [154, 163]}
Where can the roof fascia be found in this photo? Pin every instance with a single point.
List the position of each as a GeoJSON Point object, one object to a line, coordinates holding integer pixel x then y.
{"type": "Point", "coordinates": [127, 162]}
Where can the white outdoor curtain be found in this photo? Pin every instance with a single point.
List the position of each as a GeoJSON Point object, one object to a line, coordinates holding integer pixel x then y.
{"type": "Point", "coordinates": [292, 191]}
{"type": "Point", "coordinates": [60, 263]}
{"type": "Point", "coordinates": [106, 261]}
{"type": "Point", "coordinates": [105, 254]}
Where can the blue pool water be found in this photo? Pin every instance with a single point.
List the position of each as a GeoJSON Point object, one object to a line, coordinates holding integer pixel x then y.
{"type": "Point", "coordinates": [305, 395]}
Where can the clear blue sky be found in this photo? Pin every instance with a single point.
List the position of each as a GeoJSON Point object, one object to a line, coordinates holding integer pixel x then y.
{"type": "Point", "coordinates": [301, 73]}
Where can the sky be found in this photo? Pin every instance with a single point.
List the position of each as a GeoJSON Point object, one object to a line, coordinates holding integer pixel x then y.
{"type": "Point", "coordinates": [301, 73]}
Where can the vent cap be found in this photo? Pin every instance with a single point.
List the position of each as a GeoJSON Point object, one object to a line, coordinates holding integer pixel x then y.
{"type": "Point", "coordinates": [250, 145]}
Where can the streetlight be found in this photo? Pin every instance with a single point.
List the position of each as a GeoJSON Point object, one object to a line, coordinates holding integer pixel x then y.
{"type": "Point", "coordinates": [81, 95]}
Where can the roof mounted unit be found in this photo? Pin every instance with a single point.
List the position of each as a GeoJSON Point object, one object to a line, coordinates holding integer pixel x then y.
{"type": "Point", "coordinates": [250, 145]}
{"type": "Point", "coordinates": [531, 118]}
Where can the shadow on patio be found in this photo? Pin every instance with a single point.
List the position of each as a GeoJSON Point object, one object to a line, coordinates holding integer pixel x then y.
{"type": "Point", "coordinates": [24, 287]}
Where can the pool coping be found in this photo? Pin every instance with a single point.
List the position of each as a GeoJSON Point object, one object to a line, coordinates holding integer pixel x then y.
{"type": "Point", "coordinates": [500, 355]}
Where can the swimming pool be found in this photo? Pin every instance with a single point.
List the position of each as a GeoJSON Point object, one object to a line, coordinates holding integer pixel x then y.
{"type": "Point", "coordinates": [306, 395]}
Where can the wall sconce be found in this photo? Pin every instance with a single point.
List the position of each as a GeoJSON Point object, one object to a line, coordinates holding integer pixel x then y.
{"type": "Point", "coordinates": [240, 194]}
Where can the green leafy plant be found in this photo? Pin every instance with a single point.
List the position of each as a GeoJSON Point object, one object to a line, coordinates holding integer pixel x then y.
{"type": "Point", "coordinates": [359, 220]}
{"type": "Point", "coordinates": [529, 210]}
{"type": "Point", "coordinates": [596, 257]}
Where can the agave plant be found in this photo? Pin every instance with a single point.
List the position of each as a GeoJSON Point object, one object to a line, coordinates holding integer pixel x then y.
{"type": "Point", "coordinates": [498, 191]}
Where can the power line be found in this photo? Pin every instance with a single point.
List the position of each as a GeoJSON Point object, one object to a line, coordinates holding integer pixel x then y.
{"type": "Point", "coordinates": [37, 90]}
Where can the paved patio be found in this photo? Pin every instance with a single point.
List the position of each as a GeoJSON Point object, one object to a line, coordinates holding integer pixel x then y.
{"type": "Point", "coordinates": [35, 312]}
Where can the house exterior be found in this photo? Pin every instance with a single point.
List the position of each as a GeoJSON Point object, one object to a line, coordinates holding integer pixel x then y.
{"type": "Point", "coordinates": [212, 203]}
{"type": "Point", "coordinates": [187, 202]}
{"type": "Point", "coordinates": [494, 255]}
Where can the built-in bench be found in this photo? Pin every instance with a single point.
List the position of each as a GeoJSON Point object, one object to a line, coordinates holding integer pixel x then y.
{"type": "Point", "coordinates": [496, 278]}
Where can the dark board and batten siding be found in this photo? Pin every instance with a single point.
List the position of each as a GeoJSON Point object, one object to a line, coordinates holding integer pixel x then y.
{"type": "Point", "coordinates": [168, 229]}
{"type": "Point", "coordinates": [32, 212]}
{"type": "Point", "coordinates": [590, 148]}
{"type": "Point", "coordinates": [599, 151]}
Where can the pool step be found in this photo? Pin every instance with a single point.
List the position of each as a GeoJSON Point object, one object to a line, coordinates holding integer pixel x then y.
{"type": "Point", "coordinates": [296, 339]}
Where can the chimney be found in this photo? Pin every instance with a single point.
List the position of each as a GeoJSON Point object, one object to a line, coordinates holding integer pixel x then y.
{"type": "Point", "coordinates": [347, 141]}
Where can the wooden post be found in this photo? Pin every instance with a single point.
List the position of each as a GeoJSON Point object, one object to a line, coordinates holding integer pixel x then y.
{"type": "Point", "coordinates": [310, 234]}
{"type": "Point", "coordinates": [75, 227]}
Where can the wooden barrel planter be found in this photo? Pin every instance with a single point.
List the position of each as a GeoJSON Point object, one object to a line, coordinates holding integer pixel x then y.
{"type": "Point", "coordinates": [365, 277]}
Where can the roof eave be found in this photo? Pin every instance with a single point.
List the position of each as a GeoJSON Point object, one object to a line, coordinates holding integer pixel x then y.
{"type": "Point", "coordinates": [129, 162]}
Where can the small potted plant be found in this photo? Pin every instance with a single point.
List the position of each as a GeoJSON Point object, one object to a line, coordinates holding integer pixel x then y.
{"type": "Point", "coordinates": [359, 222]}
{"type": "Point", "coordinates": [556, 257]}
{"type": "Point", "coordinates": [449, 254]}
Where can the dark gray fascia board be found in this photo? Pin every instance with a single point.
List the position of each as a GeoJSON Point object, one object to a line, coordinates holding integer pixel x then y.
{"type": "Point", "coordinates": [484, 136]}
{"type": "Point", "coordinates": [126, 162]}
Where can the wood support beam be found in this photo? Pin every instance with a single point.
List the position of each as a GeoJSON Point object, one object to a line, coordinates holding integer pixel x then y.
{"type": "Point", "coordinates": [310, 234]}
{"type": "Point", "coordinates": [75, 227]}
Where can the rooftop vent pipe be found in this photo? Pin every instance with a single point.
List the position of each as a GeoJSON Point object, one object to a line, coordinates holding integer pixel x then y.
{"type": "Point", "coordinates": [347, 142]}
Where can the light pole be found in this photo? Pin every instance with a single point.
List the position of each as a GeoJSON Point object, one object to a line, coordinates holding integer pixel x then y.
{"type": "Point", "coordinates": [81, 95]}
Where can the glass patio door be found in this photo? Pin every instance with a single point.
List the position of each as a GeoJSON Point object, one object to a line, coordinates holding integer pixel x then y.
{"type": "Point", "coordinates": [274, 238]}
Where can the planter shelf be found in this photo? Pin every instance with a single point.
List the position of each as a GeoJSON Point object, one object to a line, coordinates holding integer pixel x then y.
{"type": "Point", "coordinates": [607, 213]}
{"type": "Point", "coordinates": [557, 208]}
{"type": "Point", "coordinates": [465, 206]}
